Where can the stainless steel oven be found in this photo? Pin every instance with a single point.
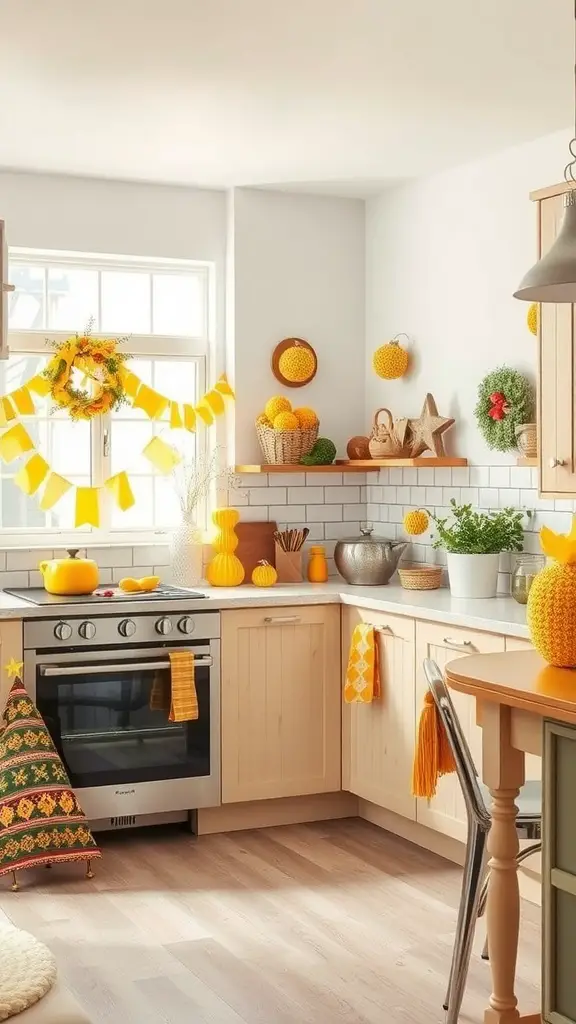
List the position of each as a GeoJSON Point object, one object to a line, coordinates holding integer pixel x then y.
{"type": "Point", "coordinates": [93, 679]}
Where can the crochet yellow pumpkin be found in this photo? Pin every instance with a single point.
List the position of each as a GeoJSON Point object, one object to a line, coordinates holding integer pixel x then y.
{"type": "Point", "coordinates": [306, 417]}
{"type": "Point", "coordinates": [532, 318]}
{"type": "Point", "coordinates": [416, 522]}
{"type": "Point", "coordinates": [297, 363]}
{"type": "Point", "coordinates": [274, 406]}
{"type": "Point", "coordinates": [552, 600]}
{"type": "Point", "coordinates": [286, 421]}
{"type": "Point", "coordinates": [264, 575]}
{"type": "Point", "coordinates": [390, 360]}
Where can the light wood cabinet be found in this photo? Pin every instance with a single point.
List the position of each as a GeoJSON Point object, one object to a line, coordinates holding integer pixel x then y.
{"type": "Point", "coordinates": [378, 738]}
{"type": "Point", "coordinates": [10, 647]}
{"type": "Point", "coordinates": [446, 811]}
{"type": "Point", "coordinates": [533, 764]}
{"type": "Point", "coordinates": [280, 702]}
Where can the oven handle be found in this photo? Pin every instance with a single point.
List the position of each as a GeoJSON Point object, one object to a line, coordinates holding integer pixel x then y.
{"type": "Point", "coordinates": [123, 666]}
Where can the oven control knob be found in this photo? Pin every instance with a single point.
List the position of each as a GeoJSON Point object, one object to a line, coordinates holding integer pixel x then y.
{"type": "Point", "coordinates": [87, 630]}
{"type": "Point", "coordinates": [62, 631]}
{"type": "Point", "coordinates": [164, 626]}
{"type": "Point", "coordinates": [187, 625]}
{"type": "Point", "coordinates": [127, 627]}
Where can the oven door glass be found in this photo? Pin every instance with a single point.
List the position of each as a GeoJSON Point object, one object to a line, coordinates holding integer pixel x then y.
{"type": "Point", "coordinates": [104, 721]}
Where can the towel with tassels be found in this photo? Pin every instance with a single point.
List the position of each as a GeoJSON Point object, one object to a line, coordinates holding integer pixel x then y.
{"type": "Point", "coordinates": [433, 756]}
{"type": "Point", "coordinates": [362, 683]}
{"type": "Point", "coordinates": [176, 693]}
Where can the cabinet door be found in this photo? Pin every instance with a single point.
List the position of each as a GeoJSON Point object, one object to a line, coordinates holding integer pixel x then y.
{"type": "Point", "coordinates": [556, 398]}
{"type": "Point", "coordinates": [280, 702]}
{"type": "Point", "coordinates": [446, 811]}
{"type": "Point", "coordinates": [378, 738]}
{"type": "Point", "coordinates": [10, 647]}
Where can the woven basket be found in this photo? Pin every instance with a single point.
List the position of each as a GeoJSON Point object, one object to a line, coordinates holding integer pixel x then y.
{"type": "Point", "coordinates": [285, 447]}
{"type": "Point", "coordinates": [420, 577]}
{"type": "Point", "coordinates": [527, 440]}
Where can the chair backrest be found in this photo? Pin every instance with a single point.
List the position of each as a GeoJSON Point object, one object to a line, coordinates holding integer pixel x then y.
{"type": "Point", "coordinates": [465, 767]}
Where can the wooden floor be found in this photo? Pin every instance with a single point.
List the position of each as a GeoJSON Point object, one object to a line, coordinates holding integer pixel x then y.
{"type": "Point", "coordinates": [326, 923]}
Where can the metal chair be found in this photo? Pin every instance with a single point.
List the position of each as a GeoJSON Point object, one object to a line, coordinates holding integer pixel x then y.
{"type": "Point", "coordinates": [474, 888]}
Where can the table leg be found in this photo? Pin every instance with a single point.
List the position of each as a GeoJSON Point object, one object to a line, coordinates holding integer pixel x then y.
{"type": "Point", "coordinates": [503, 773]}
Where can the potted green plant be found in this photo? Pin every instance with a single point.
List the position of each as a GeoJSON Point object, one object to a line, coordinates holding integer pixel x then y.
{"type": "Point", "coordinates": [473, 542]}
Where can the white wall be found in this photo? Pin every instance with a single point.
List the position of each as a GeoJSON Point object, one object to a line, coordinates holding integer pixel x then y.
{"type": "Point", "coordinates": [298, 271]}
{"type": "Point", "coordinates": [443, 256]}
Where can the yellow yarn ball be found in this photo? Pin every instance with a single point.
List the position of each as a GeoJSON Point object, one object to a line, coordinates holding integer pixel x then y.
{"type": "Point", "coordinates": [286, 421]}
{"type": "Point", "coordinates": [552, 614]}
{"type": "Point", "coordinates": [276, 405]}
{"type": "Point", "coordinates": [390, 361]}
{"type": "Point", "coordinates": [263, 420]}
{"type": "Point", "coordinates": [532, 318]}
{"type": "Point", "coordinates": [306, 417]}
{"type": "Point", "coordinates": [416, 522]}
{"type": "Point", "coordinates": [297, 364]}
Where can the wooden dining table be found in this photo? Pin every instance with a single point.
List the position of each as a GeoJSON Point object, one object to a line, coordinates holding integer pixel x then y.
{"type": "Point", "coordinates": [514, 691]}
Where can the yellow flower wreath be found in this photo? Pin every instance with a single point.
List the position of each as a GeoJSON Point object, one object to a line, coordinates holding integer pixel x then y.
{"type": "Point", "coordinates": [98, 360]}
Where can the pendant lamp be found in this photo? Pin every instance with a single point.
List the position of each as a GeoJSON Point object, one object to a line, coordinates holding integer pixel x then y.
{"type": "Point", "coordinates": [553, 278]}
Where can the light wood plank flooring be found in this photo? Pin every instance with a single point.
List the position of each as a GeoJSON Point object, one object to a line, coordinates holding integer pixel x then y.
{"type": "Point", "coordinates": [327, 923]}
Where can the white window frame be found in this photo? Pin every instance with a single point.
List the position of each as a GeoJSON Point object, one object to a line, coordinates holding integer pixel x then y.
{"type": "Point", "coordinates": [199, 349]}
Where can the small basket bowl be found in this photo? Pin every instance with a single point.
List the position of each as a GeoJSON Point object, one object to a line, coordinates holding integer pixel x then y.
{"type": "Point", "coordinates": [420, 577]}
{"type": "Point", "coordinates": [285, 447]}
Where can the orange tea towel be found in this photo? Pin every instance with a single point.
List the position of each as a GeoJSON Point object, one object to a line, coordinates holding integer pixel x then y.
{"type": "Point", "coordinates": [362, 675]}
{"type": "Point", "coordinates": [182, 706]}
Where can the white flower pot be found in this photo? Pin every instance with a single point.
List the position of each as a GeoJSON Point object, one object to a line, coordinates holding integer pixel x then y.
{"type": "Point", "coordinates": [186, 555]}
{"type": "Point", "coordinates": [473, 576]}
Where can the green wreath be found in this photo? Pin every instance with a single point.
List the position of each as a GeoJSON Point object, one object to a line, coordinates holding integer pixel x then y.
{"type": "Point", "coordinates": [505, 400]}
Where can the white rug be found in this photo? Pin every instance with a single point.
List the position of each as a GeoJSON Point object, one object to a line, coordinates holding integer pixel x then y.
{"type": "Point", "coordinates": [27, 970]}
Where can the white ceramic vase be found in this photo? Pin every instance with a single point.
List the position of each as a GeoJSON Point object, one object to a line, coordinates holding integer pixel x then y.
{"type": "Point", "coordinates": [186, 554]}
{"type": "Point", "coordinates": [473, 576]}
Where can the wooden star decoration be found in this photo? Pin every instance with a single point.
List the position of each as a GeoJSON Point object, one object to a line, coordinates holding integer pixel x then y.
{"type": "Point", "coordinates": [13, 668]}
{"type": "Point", "coordinates": [426, 431]}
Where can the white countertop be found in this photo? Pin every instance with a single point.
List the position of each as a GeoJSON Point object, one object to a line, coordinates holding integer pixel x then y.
{"type": "Point", "coordinates": [497, 615]}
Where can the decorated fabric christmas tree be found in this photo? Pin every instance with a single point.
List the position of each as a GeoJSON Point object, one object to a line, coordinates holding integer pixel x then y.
{"type": "Point", "coordinates": [41, 821]}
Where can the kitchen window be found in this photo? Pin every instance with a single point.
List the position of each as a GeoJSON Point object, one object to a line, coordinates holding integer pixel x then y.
{"type": "Point", "coordinates": [163, 308]}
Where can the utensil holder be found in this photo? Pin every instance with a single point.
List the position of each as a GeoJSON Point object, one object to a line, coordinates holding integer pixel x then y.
{"type": "Point", "coordinates": [288, 565]}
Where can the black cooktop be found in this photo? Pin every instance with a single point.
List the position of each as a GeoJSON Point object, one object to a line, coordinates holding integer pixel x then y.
{"type": "Point", "coordinates": [163, 592]}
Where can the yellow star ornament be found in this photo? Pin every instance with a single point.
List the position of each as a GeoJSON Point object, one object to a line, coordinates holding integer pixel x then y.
{"type": "Point", "coordinates": [13, 668]}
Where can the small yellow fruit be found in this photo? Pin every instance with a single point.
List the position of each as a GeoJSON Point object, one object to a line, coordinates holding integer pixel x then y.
{"type": "Point", "coordinates": [263, 420]}
{"type": "Point", "coordinates": [129, 585]}
{"type": "Point", "coordinates": [532, 318]}
{"type": "Point", "coordinates": [306, 417]}
{"type": "Point", "coordinates": [297, 364]}
{"type": "Point", "coordinates": [286, 421]}
{"type": "Point", "coordinates": [416, 522]}
{"type": "Point", "coordinates": [264, 575]}
{"type": "Point", "coordinates": [148, 582]}
{"type": "Point", "coordinates": [276, 405]}
{"type": "Point", "coordinates": [390, 361]}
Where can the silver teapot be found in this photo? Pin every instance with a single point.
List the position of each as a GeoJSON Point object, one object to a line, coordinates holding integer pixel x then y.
{"type": "Point", "coordinates": [368, 561]}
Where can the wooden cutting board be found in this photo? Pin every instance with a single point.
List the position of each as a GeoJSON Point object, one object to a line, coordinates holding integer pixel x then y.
{"type": "Point", "coordinates": [255, 541]}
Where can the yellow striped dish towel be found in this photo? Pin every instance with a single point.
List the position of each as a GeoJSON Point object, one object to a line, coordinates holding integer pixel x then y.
{"type": "Point", "coordinates": [182, 700]}
{"type": "Point", "coordinates": [363, 673]}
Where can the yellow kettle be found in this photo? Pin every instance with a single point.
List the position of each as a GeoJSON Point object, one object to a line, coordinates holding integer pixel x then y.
{"type": "Point", "coordinates": [69, 575]}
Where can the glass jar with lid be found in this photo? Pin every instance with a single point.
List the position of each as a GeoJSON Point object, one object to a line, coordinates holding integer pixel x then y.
{"type": "Point", "coordinates": [525, 568]}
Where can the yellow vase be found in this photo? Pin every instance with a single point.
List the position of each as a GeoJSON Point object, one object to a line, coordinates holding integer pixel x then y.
{"type": "Point", "coordinates": [225, 569]}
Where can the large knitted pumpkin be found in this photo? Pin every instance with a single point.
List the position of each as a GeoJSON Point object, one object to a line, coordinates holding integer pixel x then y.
{"type": "Point", "coordinates": [552, 600]}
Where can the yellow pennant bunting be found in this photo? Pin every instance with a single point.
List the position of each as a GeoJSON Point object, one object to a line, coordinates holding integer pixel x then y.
{"type": "Point", "coordinates": [162, 456]}
{"type": "Point", "coordinates": [189, 417]}
{"type": "Point", "coordinates": [87, 506]}
{"type": "Point", "coordinates": [7, 411]}
{"type": "Point", "coordinates": [150, 401]}
{"type": "Point", "coordinates": [14, 442]}
{"type": "Point", "coordinates": [56, 488]}
{"type": "Point", "coordinates": [119, 487]}
{"type": "Point", "coordinates": [224, 387]}
{"type": "Point", "coordinates": [175, 416]}
{"type": "Point", "coordinates": [39, 385]}
{"type": "Point", "coordinates": [215, 402]}
{"type": "Point", "coordinates": [204, 412]}
{"type": "Point", "coordinates": [22, 399]}
{"type": "Point", "coordinates": [32, 474]}
{"type": "Point", "coordinates": [131, 383]}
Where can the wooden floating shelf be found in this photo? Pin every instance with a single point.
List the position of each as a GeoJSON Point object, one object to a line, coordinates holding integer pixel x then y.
{"type": "Point", "coordinates": [423, 462]}
{"type": "Point", "coordinates": [526, 462]}
{"type": "Point", "coordinates": [352, 467]}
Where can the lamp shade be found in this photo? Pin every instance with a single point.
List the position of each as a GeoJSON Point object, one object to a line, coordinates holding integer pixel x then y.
{"type": "Point", "coordinates": [553, 278]}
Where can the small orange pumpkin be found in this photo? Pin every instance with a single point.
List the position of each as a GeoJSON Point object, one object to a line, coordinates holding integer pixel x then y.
{"type": "Point", "coordinates": [264, 575]}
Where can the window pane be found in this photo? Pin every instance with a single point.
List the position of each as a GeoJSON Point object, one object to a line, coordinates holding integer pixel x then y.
{"type": "Point", "coordinates": [72, 298]}
{"type": "Point", "coordinates": [125, 302]}
{"type": "Point", "coordinates": [26, 304]}
{"type": "Point", "coordinates": [178, 304]}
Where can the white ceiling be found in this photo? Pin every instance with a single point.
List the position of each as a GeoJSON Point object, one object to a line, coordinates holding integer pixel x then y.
{"type": "Point", "coordinates": [344, 95]}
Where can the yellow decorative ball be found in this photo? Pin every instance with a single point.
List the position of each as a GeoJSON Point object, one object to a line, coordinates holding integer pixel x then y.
{"type": "Point", "coordinates": [390, 361]}
{"type": "Point", "coordinates": [306, 417]}
{"type": "Point", "coordinates": [263, 420]}
{"type": "Point", "coordinates": [264, 575]}
{"type": "Point", "coordinates": [276, 405]}
{"type": "Point", "coordinates": [532, 318]}
{"type": "Point", "coordinates": [416, 522]}
{"type": "Point", "coordinates": [297, 364]}
{"type": "Point", "coordinates": [286, 421]}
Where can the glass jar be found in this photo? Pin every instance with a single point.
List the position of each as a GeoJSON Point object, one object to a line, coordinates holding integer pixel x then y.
{"type": "Point", "coordinates": [317, 565]}
{"type": "Point", "coordinates": [524, 571]}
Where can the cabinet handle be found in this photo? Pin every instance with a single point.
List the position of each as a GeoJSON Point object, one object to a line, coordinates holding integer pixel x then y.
{"type": "Point", "coordinates": [280, 620]}
{"type": "Point", "coordinates": [553, 463]}
{"type": "Point", "coordinates": [458, 643]}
